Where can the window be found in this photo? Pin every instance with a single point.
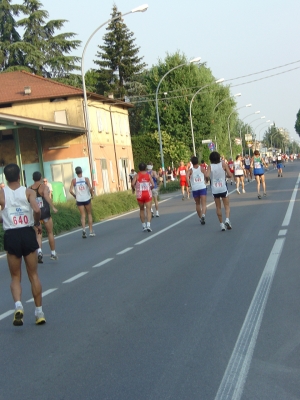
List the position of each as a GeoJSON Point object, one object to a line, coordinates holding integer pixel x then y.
{"type": "Point", "coordinates": [99, 121]}
{"type": "Point", "coordinates": [60, 117]}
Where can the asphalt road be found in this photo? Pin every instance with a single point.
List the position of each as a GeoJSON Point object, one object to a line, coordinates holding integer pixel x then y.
{"type": "Point", "coordinates": [185, 312]}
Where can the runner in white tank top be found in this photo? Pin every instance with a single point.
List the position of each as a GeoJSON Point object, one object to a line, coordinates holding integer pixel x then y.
{"type": "Point", "coordinates": [217, 171]}
{"type": "Point", "coordinates": [196, 176]}
{"type": "Point", "coordinates": [20, 211]}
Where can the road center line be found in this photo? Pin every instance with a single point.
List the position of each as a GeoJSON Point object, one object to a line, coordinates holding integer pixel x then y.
{"type": "Point", "coordinates": [102, 263]}
{"type": "Point", "coordinates": [125, 250]}
{"type": "Point", "coordinates": [43, 294]}
{"type": "Point", "coordinates": [76, 277]}
{"type": "Point", "coordinates": [234, 379]}
{"type": "Point", "coordinates": [289, 211]}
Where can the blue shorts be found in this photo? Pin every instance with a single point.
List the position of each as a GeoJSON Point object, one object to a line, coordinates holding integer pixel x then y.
{"type": "Point", "coordinates": [83, 203]}
{"type": "Point", "coordinates": [279, 166]}
{"type": "Point", "coordinates": [247, 166]}
{"type": "Point", "coordinates": [198, 193]}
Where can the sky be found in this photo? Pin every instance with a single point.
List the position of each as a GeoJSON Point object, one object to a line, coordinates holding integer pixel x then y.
{"type": "Point", "coordinates": [234, 38]}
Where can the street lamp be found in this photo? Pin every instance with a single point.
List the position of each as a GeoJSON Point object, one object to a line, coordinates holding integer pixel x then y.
{"type": "Point", "coordinates": [191, 119]}
{"type": "Point", "coordinates": [227, 98]}
{"type": "Point", "coordinates": [247, 105]}
{"type": "Point", "coordinates": [141, 8]}
{"type": "Point", "coordinates": [194, 60]}
{"type": "Point", "coordinates": [256, 112]}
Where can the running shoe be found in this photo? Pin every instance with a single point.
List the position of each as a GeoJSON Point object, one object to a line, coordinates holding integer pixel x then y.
{"type": "Point", "coordinates": [40, 257]}
{"type": "Point", "coordinates": [259, 196]}
{"type": "Point", "coordinates": [152, 212]}
{"type": "Point", "coordinates": [202, 220]}
{"type": "Point", "coordinates": [149, 229]}
{"type": "Point", "coordinates": [278, 175]}
{"type": "Point", "coordinates": [18, 316]}
{"type": "Point", "coordinates": [228, 224]}
{"type": "Point", "coordinates": [144, 229]}
{"type": "Point", "coordinates": [182, 197]}
{"type": "Point", "coordinates": [157, 213]}
{"type": "Point", "coordinates": [92, 234]}
{"type": "Point", "coordinates": [238, 192]}
{"type": "Point", "coordinates": [53, 257]}
{"type": "Point", "coordinates": [222, 227]}
{"type": "Point", "coordinates": [281, 175]}
{"type": "Point", "coordinates": [244, 191]}
{"type": "Point", "coordinates": [84, 235]}
{"type": "Point", "coordinates": [40, 318]}
{"type": "Point", "coordinates": [265, 194]}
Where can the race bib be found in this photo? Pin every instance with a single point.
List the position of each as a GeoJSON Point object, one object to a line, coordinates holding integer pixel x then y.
{"type": "Point", "coordinates": [218, 183]}
{"type": "Point", "coordinates": [197, 179]}
{"type": "Point", "coordinates": [39, 200]}
{"type": "Point", "coordinates": [18, 216]}
{"type": "Point", "coordinates": [144, 186]}
{"type": "Point", "coordinates": [81, 187]}
{"type": "Point", "coordinates": [183, 172]}
{"type": "Point", "coordinates": [257, 165]}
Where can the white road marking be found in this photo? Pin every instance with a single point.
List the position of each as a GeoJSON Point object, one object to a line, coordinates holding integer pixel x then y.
{"type": "Point", "coordinates": [282, 232]}
{"type": "Point", "coordinates": [234, 379]}
{"type": "Point", "coordinates": [102, 263]}
{"type": "Point", "coordinates": [43, 294]}
{"type": "Point", "coordinates": [125, 250]}
{"type": "Point", "coordinates": [6, 314]}
{"type": "Point", "coordinates": [289, 211]}
{"type": "Point", "coordinates": [76, 277]}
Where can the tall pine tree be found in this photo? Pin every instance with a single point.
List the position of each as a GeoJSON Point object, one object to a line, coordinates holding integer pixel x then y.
{"type": "Point", "coordinates": [44, 52]}
{"type": "Point", "coordinates": [10, 54]}
{"type": "Point", "coordinates": [119, 63]}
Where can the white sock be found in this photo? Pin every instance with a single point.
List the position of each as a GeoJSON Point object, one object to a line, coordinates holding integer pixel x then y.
{"type": "Point", "coordinates": [144, 225]}
{"type": "Point", "coordinates": [18, 304]}
{"type": "Point", "coordinates": [148, 224]}
{"type": "Point", "coordinates": [203, 215]}
{"type": "Point", "coordinates": [39, 250]}
{"type": "Point", "coordinates": [53, 252]}
{"type": "Point", "coordinates": [38, 310]}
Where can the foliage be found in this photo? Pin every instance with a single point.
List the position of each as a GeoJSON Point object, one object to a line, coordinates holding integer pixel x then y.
{"type": "Point", "coordinates": [146, 148]}
{"type": "Point", "coordinates": [174, 98]}
{"type": "Point", "coordinates": [104, 206]}
{"type": "Point", "coordinates": [118, 58]}
{"type": "Point", "coordinates": [297, 123]}
{"type": "Point", "coordinates": [171, 186]}
{"type": "Point", "coordinates": [39, 50]}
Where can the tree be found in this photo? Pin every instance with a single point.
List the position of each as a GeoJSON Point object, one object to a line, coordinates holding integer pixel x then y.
{"type": "Point", "coordinates": [297, 124]}
{"type": "Point", "coordinates": [174, 98]}
{"type": "Point", "coordinates": [118, 62]}
{"type": "Point", "coordinates": [9, 54]}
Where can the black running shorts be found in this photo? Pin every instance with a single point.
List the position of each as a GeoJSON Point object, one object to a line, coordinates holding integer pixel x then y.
{"type": "Point", "coordinates": [20, 242]}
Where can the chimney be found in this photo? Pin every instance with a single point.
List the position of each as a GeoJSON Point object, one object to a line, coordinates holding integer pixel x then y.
{"type": "Point", "coordinates": [110, 95]}
{"type": "Point", "coordinates": [27, 90]}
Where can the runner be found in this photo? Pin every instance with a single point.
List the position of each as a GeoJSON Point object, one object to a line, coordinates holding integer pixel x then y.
{"type": "Point", "coordinates": [154, 176]}
{"type": "Point", "coordinates": [231, 168]}
{"type": "Point", "coordinates": [248, 168]}
{"type": "Point", "coordinates": [279, 164]}
{"type": "Point", "coordinates": [239, 174]}
{"type": "Point", "coordinates": [181, 171]}
{"type": "Point", "coordinates": [142, 183]}
{"type": "Point", "coordinates": [131, 176]}
{"type": "Point", "coordinates": [217, 171]}
{"type": "Point", "coordinates": [196, 176]}
{"type": "Point", "coordinates": [44, 201]}
{"type": "Point", "coordinates": [267, 162]}
{"type": "Point", "coordinates": [45, 182]}
{"type": "Point", "coordinates": [274, 161]}
{"type": "Point", "coordinates": [20, 212]}
{"type": "Point", "coordinates": [83, 195]}
{"type": "Point", "coordinates": [257, 162]}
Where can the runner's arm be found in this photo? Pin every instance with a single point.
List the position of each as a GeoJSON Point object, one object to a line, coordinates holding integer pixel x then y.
{"type": "Point", "coordinates": [71, 190]}
{"type": "Point", "coordinates": [89, 186]}
{"type": "Point", "coordinates": [47, 197]}
{"type": "Point", "coordinates": [31, 196]}
{"type": "Point", "coordinates": [227, 170]}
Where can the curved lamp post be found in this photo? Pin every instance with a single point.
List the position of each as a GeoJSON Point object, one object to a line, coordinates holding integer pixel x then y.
{"type": "Point", "coordinates": [194, 60]}
{"type": "Point", "coordinates": [256, 112]}
{"type": "Point", "coordinates": [261, 128]}
{"type": "Point", "coordinates": [227, 98]}
{"type": "Point", "coordinates": [247, 105]}
{"type": "Point", "coordinates": [191, 119]}
{"type": "Point", "coordinates": [141, 8]}
{"type": "Point", "coordinates": [256, 128]}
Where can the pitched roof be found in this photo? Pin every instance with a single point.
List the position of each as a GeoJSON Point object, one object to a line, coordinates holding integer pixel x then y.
{"type": "Point", "coordinates": [12, 86]}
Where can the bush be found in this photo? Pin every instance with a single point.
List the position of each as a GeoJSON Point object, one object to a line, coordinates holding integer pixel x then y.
{"type": "Point", "coordinates": [171, 186]}
{"type": "Point", "coordinates": [104, 206]}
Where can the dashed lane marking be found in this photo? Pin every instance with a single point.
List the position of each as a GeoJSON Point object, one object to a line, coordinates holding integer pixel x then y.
{"type": "Point", "coordinates": [43, 294]}
{"type": "Point", "coordinates": [102, 263]}
{"type": "Point", "coordinates": [125, 250]}
{"type": "Point", "coordinates": [76, 277]}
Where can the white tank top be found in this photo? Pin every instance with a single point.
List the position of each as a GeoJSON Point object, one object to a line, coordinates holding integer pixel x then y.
{"type": "Point", "coordinates": [197, 179]}
{"type": "Point", "coordinates": [247, 161]}
{"type": "Point", "coordinates": [238, 169]}
{"type": "Point", "coordinates": [82, 190]}
{"type": "Point", "coordinates": [218, 182]}
{"type": "Point", "coordinates": [17, 212]}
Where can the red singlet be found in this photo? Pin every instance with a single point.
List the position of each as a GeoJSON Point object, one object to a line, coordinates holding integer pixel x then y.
{"type": "Point", "coordinates": [142, 188]}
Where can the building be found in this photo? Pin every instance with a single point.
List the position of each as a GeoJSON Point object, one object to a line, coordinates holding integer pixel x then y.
{"type": "Point", "coordinates": [42, 127]}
